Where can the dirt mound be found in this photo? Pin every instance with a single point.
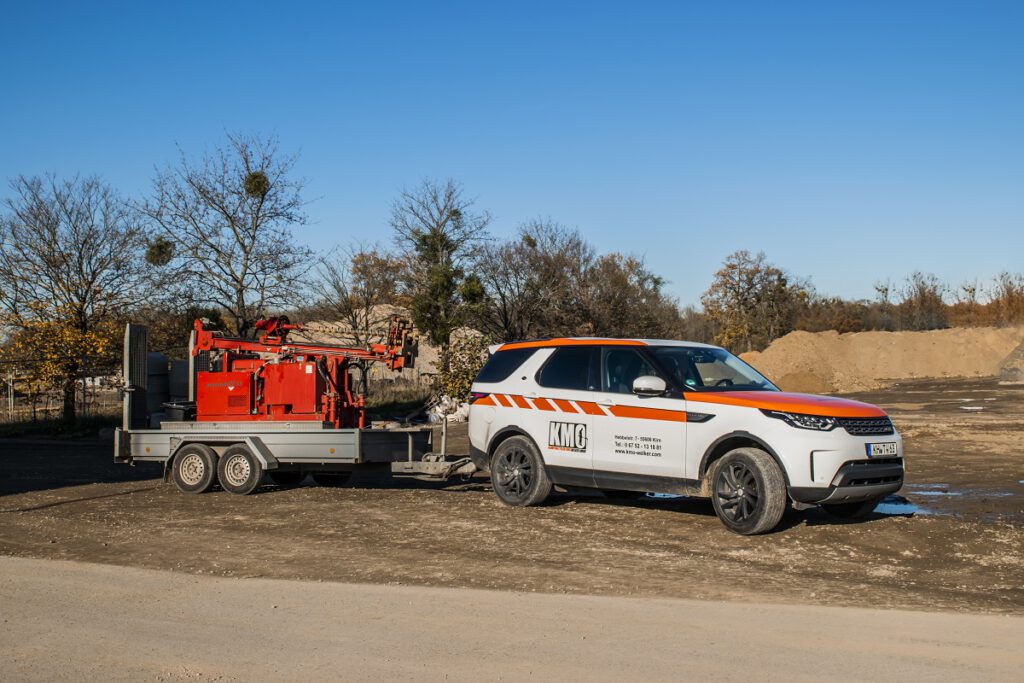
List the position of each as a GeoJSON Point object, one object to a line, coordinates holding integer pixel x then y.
{"type": "Point", "coordinates": [829, 361]}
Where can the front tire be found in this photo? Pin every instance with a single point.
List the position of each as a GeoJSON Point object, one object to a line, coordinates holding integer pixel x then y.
{"type": "Point", "coordinates": [239, 471]}
{"type": "Point", "coordinates": [517, 473]}
{"type": "Point", "coordinates": [856, 510]}
{"type": "Point", "coordinates": [194, 469]}
{"type": "Point", "coordinates": [748, 491]}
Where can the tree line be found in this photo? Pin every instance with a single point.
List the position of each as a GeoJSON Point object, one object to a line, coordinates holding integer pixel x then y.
{"type": "Point", "coordinates": [218, 235]}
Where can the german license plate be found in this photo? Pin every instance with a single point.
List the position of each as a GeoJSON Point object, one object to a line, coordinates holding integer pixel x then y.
{"type": "Point", "coordinates": [880, 449]}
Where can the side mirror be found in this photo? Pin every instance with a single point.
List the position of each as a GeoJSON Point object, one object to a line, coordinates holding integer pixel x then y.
{"type": "Point", "coordinates": [649, 385]}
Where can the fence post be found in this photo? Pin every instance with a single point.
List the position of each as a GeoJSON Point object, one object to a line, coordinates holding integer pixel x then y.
{"type": "Point", "coordinates": [85, 397]}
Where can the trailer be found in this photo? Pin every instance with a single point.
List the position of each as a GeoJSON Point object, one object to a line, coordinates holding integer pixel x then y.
{"type": "Point", "coordinates": [269, 406]}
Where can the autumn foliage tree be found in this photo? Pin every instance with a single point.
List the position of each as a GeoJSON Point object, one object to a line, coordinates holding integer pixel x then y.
{"type": "Point", "coordinates": [71, 267]}
{"type": "Point", "coordinates": [752, 301]}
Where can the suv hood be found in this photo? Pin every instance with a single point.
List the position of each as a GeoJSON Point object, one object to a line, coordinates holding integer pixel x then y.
{"type": "Point", "coordinates": [808, 404]}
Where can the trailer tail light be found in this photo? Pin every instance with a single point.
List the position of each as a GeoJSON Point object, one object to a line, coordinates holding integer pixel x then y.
{"type": "Point", "coordinates": [476, 396]}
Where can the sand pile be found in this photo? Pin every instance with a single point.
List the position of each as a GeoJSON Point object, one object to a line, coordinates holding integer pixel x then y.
{"type": "Point", "coordinates": [833, 362]}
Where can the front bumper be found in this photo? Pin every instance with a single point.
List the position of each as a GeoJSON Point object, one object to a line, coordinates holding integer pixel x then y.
{"type": "Point", "coordinates": [855, 481]}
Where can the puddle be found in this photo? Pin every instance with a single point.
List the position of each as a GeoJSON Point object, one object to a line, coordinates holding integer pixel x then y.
{"type": "Point", "coordinates": [932, 490]}
{"type": "Point", "coordinates": [972, 407]}
{"type": "Point", "coordinates": [898, 505]}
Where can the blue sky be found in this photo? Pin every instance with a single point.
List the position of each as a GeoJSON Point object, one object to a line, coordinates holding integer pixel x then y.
{"type": "Point", "coordinates": [850, 141]}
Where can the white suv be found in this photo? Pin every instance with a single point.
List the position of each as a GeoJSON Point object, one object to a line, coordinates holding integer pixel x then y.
{"type": "Point", "coordinates": [674, 417]}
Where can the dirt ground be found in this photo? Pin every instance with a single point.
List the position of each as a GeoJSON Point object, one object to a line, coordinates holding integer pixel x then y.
{"type": "Point", "coordinates": [952, 540]}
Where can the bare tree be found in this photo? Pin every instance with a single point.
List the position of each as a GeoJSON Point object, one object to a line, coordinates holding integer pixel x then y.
{"type": "Point", "coordinates": [440, 235]}
{"type": "Point", "coordinates": [922, 303]}
{"type": "Point", "coordinates": [550, 281]}
{"type": "Point", "coordinates": [358, 287]}
{"type": "Point", "coordinates": [71, 265]}
{"type": "Point", "coordinates": [229, 217]}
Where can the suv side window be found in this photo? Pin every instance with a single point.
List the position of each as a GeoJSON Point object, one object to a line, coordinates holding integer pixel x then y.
{"type": "Point", "coordinates": [620, 366]}
{"type": "Point", "coordinates": [570, 367]}
{"type": "Point", "coordinates": [502, 364]}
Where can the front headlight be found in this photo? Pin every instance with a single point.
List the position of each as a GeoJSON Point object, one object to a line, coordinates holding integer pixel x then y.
{"type": "Point", "coordinates": [816, 422]}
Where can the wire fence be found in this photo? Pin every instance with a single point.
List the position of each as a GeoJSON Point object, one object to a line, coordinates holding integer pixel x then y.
{"type": "Point", "coordinates": [24, 399]}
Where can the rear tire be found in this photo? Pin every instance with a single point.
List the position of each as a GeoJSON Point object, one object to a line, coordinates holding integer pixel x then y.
{"type": "Point", "coordinates": [851, 510]}
{"type": "Point", "coordinates": [332, 479]}
{"type": "Point", "coordinates": [748, 491]}
{"type": "Point", "coordinates": [239, 471]}
{"type": "Point", "coordinates": [194, 469]}
{"type": "Point", "coordinates": [517, 473]}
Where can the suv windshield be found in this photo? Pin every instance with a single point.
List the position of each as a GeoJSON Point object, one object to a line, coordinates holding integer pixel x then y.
{"type": "Point", "coordinates": [704, 369]}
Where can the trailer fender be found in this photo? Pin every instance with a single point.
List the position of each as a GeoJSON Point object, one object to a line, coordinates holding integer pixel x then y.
{"type": "Point", "coordinates": [262, 453]}
{"type": "Point", "coordinates": [254, 443]}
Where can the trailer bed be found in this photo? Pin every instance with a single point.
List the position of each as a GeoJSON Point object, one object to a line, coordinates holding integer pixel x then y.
{"type": "Point", "coordinates": [278, 443]}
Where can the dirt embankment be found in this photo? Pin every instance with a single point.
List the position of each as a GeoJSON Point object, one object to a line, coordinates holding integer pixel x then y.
{"type": "Point", "coordinates": [859, 361]}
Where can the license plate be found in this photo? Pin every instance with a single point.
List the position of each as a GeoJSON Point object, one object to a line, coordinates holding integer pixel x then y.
{"type": "Point", "coordinates": [878, 449]}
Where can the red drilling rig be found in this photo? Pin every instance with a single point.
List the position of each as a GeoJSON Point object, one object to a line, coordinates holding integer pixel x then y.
{"type": "Point", "coordinates": [268, 406]}
{"type": "Point", "coordinates": [275, 379]}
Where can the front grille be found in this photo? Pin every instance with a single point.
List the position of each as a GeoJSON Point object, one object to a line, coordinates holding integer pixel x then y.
{"type": "Point", "coordinates": [870, 472]}
{"type": "Point", "coordinates": [866, 426]}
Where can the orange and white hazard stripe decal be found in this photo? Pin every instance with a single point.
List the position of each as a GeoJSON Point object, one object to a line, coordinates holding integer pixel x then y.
{"type": "Point", "coordinates": [559, 405]}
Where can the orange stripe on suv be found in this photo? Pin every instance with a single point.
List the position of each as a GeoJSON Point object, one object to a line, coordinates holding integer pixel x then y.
{"type": "Point", "coordinates": [806, 404]}
{"type": "Point", "coordinates": [648, 413]}
{"type": "Point", "coordinates": [544, 404]}
{"type": "Point", "coordinates": [522, 402]}
{"type": "Point", "coordinates": [591, 408]}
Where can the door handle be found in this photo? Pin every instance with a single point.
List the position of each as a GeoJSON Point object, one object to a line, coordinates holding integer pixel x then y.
{"type": "Point", "coordinates": [606, 402]}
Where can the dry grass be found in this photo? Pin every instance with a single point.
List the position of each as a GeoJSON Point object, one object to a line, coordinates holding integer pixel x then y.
{"type": "Point", "coordinates": [396, 399]}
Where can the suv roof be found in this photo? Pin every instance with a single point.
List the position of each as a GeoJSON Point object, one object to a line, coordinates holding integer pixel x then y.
{"type": "Point", "coordinates": [583, 341]}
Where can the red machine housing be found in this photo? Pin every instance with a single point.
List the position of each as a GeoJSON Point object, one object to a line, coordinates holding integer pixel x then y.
{"type": "Point", "coordinates": [272, 378]}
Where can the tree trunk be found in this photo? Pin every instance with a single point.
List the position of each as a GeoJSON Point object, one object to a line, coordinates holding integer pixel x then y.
{"type": "Point", "coordinates": [71, 372]}
{"type": "Point", "coordinates": [70, 392]}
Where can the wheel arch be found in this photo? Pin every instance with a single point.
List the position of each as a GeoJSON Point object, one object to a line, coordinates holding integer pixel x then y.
{"type": "Point", "coordinates": [507, 433]}
{"type": "Point", "coordinates": [732, 441]}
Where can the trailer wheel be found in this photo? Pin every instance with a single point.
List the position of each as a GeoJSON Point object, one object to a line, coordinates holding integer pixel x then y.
{"type": "Point", "coordinates": [748, 491]}
{"type": "Point", "coordinates": [331, 479]}
{"type": "Point", "coordinates": [194, 469]}
{"type": "Point", "coordinates": [238, 470]}
{"type": "Point", "coordinates": [518, 474]}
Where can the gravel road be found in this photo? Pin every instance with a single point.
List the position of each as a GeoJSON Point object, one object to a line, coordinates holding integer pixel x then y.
{"type": "Point", "coordinates": [68, 621]}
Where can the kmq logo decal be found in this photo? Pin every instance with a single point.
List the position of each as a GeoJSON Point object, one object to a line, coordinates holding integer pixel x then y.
{"type": "Point", "coordinates": [567, 436]}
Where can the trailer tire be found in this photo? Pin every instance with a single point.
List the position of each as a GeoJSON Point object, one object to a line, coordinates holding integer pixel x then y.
{"type": "Point", "coordinates": [748, 491]}
{"type": "Point", "coordinates": [194, 468]}
{"type": "Point", "coordinates": [332, 479]}
{"type": "Point", "coordinates": [238, 470]}
{"type": "Point", "coordinates": [517, 473]}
